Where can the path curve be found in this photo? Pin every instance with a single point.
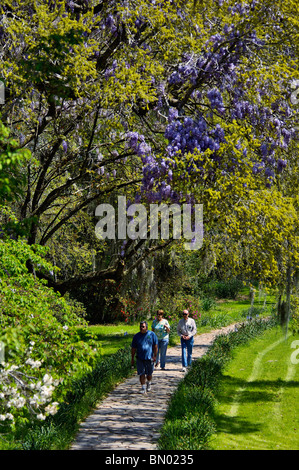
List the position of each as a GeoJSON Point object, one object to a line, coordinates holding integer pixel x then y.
{"type": "Point", "coordinates": [128, 420]}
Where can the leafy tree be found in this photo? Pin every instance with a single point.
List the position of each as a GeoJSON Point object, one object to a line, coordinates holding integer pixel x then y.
{"type": "Point", "coordinates": [150, 101]}
{"type": "Point", "coordinates": [11, 158]}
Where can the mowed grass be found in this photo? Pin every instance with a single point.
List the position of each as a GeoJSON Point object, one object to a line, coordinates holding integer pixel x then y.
{"type": "Point", "coordinates": [258, 400]}
{"type": "Point", "coordinates": [114, 337]}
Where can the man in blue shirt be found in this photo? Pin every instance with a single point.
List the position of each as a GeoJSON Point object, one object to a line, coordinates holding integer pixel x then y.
{"type": "Point", "coordinates": [145, 344]}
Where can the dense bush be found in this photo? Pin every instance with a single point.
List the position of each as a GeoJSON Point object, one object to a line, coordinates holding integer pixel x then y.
{"type": "Point", "coordinates": [173, 305]}
{"type": "Point", "coordinates": [41, 338]}
{"type": "Point", "coordinates": [207, 303]}
{"type": "Point", "coordinates": [224, 289]}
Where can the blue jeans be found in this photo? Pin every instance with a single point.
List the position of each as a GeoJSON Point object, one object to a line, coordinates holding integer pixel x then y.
{"type": "Point", "coordinates": [162, 348]}
{"type": "Point", "coordinates": [187, 346]}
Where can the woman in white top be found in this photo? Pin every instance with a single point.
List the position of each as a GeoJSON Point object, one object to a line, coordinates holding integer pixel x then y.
{"type": "Point", "coordinates": [161, 327]}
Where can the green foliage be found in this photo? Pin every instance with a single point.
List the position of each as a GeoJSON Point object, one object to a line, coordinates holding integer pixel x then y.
{"type": "Point", "coordinates": [88, 75]}
{"type": "Point", "coordinates": [173, 305]}
{"type": "Point", "coordinates": [225, 289]}
{"type": "Point", "coordinates": [38, 327]}
{"type": "Point", "coordinates": [294, 325]}
{"type": "Point", "coordinates": [207, 303]}
{"type": "Point", "coordinates": [11, 158]}
{"type": "Point", "coordinates": [214, 320]}
{"type": "Point", "coordinates": [191, 432]}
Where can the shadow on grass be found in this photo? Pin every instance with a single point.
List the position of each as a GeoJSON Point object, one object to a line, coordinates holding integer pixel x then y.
{"type": "Point", "coordinates": [259, 393]}
{"type": "Point", "coordinates": [233, 384]}
{"type": "Point", "coordinates": [235, 425]}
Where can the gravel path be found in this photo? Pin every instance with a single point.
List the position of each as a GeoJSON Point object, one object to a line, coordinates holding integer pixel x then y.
{"type": "Point", "coordinates": [128, 420]}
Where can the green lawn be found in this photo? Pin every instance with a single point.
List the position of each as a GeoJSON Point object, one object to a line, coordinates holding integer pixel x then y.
{"type": "Point", "coordinates": [114, 337]}
{"type": "Point", "coordinates": [258, 401]}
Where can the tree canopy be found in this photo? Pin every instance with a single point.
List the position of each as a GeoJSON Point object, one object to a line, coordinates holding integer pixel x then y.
{"type": "Point", "coordinates": [159, 101]}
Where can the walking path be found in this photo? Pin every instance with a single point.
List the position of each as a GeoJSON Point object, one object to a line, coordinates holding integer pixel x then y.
{"type": "Point", "coordinates": [128, 420]}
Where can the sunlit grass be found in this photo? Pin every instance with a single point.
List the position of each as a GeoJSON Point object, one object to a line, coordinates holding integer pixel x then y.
{"type": "Point", "coordinates": [115, 336]}
{"type": "Point", "coordinates": [258, 402]}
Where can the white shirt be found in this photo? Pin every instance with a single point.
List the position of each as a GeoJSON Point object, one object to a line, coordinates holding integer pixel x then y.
{"type": "Point", "coordinates": [187, 328]}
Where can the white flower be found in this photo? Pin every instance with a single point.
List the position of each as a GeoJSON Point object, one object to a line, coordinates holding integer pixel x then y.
{"type": "Point", "coordinates": [46, 391]}
{"type": "Point", "coordinates": [47, 379]}
{"type": "Point", "coordinates": [41, 417]}
{"type": "Point", "coordinates": [33, 364]}
{"type": "Point", "coordinates": [35, 399]}
{"type": "Point", "coordinates": [20, 402]}
{"type": "Point", "coordinates": [65, 327]}
{"type": "Point", "coordinates": [13, 391]}
{"type": "Point", "coordinates": [52, 409]}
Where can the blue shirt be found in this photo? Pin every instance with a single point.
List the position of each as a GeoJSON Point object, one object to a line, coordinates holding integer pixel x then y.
{"type": "Point", "coordinates": [144, 344]}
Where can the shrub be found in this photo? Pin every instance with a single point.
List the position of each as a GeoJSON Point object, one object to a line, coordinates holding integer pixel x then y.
{"type": "Point", "coordinates": [173, 306]}
{"type": "Point", "coordinates": [191, 432]}
{"type": "Point", "coordinates": [207, 303]}
{"type": "Point", "coordinates": [40, 330]}
{"type": "Point", "coordinates": [226, 289]}
{"type": "Point", "coordinates": [214, 320]}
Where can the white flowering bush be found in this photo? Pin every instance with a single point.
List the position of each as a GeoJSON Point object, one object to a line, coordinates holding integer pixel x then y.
{"type": "Point", "coordinates": [25, 393]}
{"type": "Point", "coordinates": [44, 336]}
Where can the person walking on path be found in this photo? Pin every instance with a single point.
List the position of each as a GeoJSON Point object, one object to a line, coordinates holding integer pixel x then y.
{"type": "Point", "coordinates": [161, 328]}
{"type": "Point", "coordinates": [186, 330]}
{"type": "Point", "coordinates": [145, 344]}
